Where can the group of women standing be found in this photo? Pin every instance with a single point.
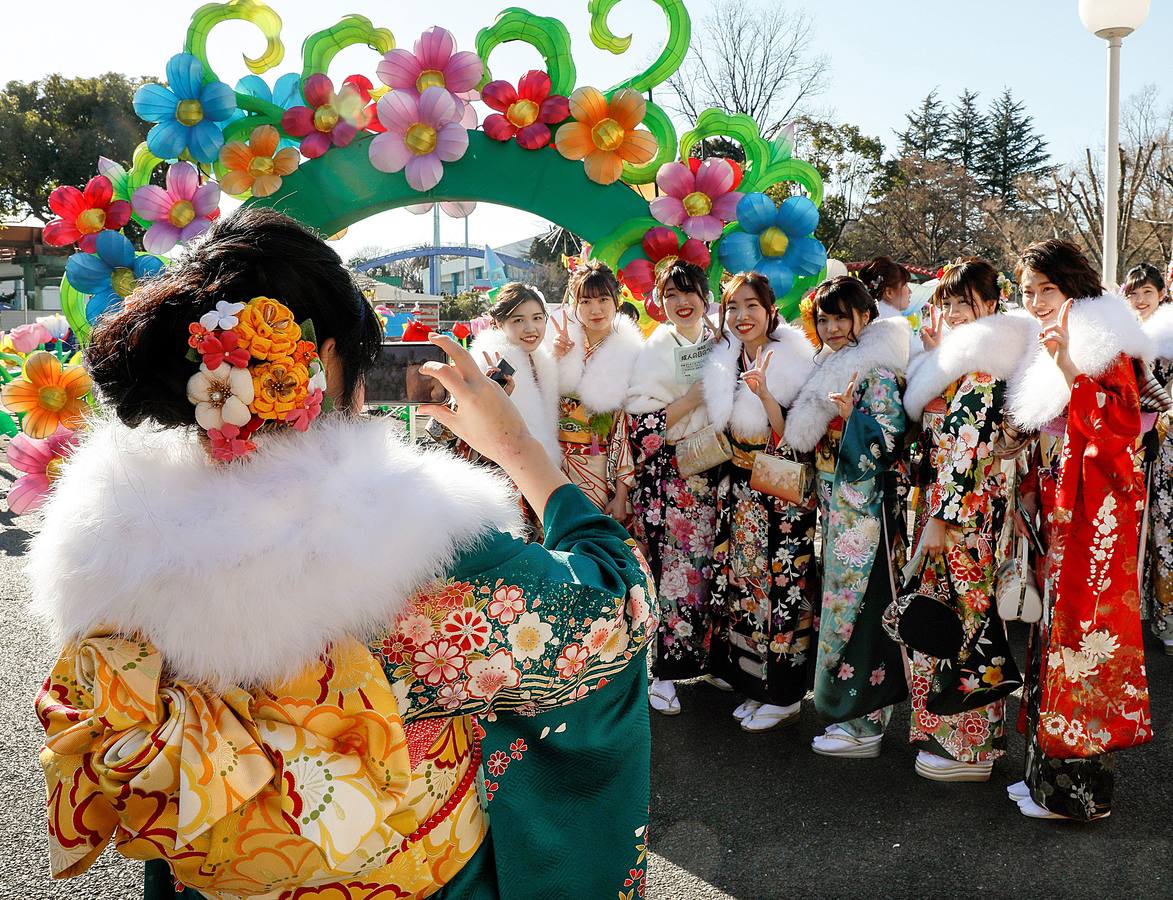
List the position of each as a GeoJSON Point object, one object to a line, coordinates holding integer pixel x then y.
{"type": "Point", "coordinates": [1046, 421]}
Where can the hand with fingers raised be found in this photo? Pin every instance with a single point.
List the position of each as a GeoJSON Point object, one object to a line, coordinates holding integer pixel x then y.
{"type": "Point", "coordinates": [845, 400]}
{"type": "Point", "coordinates": [755, 377]}
{"type": "Point", "coordinates": [931, 331]}
{"type": "Point", "coordinates": [562, 341]}
{"type": "Point", "coordinates": [493, 363]}
{"type": "Point", "coordinates": [1056, 339]}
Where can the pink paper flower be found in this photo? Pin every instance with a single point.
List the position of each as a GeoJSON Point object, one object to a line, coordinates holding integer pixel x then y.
{"type": "Point", "coordinates": [435, 63]}
{"type": "Point", "coordinates": [701, 203]}
{"type": "Point", "coordinates": [178, 213]}
{"type": "Point", "coordinates": [83, 214]}
{"type": "Point", "coordinates": [525, 112]}
{"type": "Point", "coordinates": [304, 416]}
{"type": "Point", "coordinates": [329, 119]}
{"type": "Point", "coordinates": [27, 338]}
{"type": "Point", "coordinates": [421, 135]}
{"type": "Point", "coordinates": [41, 461]}
{"type": "Point", "coordinates": [228, 444]}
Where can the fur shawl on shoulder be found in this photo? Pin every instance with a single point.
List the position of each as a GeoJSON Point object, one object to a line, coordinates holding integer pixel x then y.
{"type": "Point", "coordinates": [1101, 328]}
{"type": "Point", "coordinates": [654, 385]}
{"type": "Point", "coordinates": [601, 382]}
{"type": "Point", "coordinates": [994, 345]}
{"type": "Point", "coordinates": [884, 344]}
{"type": "Point", "coordinates": [243, 574]}
{"type": "Point", "coordinates": [536, 399]}
{"type": "Point", "coordinates": [732, 404]}
{"type": "Point", "coordinates": [1159, 327]}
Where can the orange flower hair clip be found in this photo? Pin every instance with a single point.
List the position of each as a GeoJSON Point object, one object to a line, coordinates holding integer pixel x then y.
{"type": "Point", "coordinates": [258, 368]}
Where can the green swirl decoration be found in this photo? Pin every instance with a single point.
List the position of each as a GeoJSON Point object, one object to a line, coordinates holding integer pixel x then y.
{"type": "Point", "coordinates": [320, 48]}
{"type": "Point", "coordinates": [615, 245]}
{"type": "Point", "coordinates": [546, 35]}
{"type": "Point", "coordinates": [260, 112]}
{"type": "Point", "coordinates": [670, 58]}
{"type": "Point", "coordinates": [738, 127]}
{"type": "Point", "coordinates": [210, 15]}
{"type": "Point", "coordinates": [800, 172]}
{"type": "Point", "coordinates": [660, 126]}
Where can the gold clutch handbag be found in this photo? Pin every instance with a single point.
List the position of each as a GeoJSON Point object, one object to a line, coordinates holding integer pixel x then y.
{"type": "Point", "coordinates": [702, 451]}
{"type": "Point", "coordinates": [782, 478]}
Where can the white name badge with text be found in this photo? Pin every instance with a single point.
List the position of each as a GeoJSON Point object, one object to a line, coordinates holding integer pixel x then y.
{"type": "Point", "coordinates": [690, 359]}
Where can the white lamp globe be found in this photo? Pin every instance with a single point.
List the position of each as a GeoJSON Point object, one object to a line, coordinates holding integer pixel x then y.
{"type": "Point", "coordinates": [1113, 18]}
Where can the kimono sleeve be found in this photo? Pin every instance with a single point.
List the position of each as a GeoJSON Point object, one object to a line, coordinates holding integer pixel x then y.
{"type": "Point", "coordinates": [1106, 410]}
{"type": "Point", "coordinates": [872, 438]}
{"type": "Point", "coordinates": [524, 626]}
{"type": "Point", "coordinates": [964, 441]}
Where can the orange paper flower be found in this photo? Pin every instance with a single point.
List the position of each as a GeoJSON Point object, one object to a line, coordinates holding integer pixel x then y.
{"type": "Point", "coordinates": [257, 166]}
{"type": "Point", "coordinates": [605, 134]}
{"type": "Point", "coordinates": [279, 387]}
{"type": "Point", "coordinates": [267, 329]}
{"type": "Point", "coordinates": [48, 395]}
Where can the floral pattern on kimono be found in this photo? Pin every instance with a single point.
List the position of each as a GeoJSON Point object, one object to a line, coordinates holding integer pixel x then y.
{"type": "Point", "coordinates": [965, 487]}
{"type": "Point", "coordinates": [596, 450]}
{"type": "Point", "coordinates": [675, 518]}
{"type": "Point", "coordinates": [766, 623]}
{"type": "Point", "coordinates": [860, 670]}
{"type": "Point", "coordinates": [1158, 581]}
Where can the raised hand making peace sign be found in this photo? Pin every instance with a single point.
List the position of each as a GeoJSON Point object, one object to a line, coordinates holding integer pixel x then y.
{"type": "Point", "coordinates": [755, 377]}
{"type": "Point", "coordinates": [930, 331]}
{"type": "Point", "coordinates": [562, 342]}
{"type": "Point", "coordinates": [845, 400]}
{"type": "Point", "coordinates": [1056, 338]}
{"type": "Point", "coordinates": [494, 372]}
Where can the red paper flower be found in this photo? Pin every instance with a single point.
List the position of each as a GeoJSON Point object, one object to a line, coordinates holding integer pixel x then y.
{"type": "Point", "coordinates": [85, 214]}
{"type": "Point", "coordinates": [220, 347]}
{"type": "Point", "coordinates": [662, 247]}
{"type": "Point", "coordinates": [525, 112]}
{"type": "Point", "coordinates": [230, 442]}
{"type": "Point", "coordinates": [302, 417]}
{"type": "Point", "coordinates": [329, 118]}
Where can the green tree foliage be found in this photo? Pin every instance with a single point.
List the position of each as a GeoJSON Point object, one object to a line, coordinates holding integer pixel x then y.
{"type": "Point", "coordinates": [966, 132]}
{"type": "Point", "coordinates": [1012, 148]}
{"type": "Point", "coordinates": [927, 129]}
{"type": "Point", "coordinates": [53, 130]}
{"type": "Point", "coordinates": [463, 307]}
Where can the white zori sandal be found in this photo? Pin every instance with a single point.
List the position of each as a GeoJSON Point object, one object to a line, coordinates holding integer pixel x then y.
{"type": "Point", "coordinates": [942, 768]}
{"type": "Point", "coordinates": [836, 741]}
{"type": "Point", "coordinates": [746, 709]}
{"type": "Point", "coordinates": [768, 716]}
{"type": "Point", "coordinates": [662, 697]}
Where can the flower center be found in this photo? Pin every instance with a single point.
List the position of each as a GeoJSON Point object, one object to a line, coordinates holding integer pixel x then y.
{"type": "Point", "coordinates": [123, 281]}
{"type": "Point", "coordinates": [420, 138]}
{"type": "Point", "coordinates": [52, 398]}
{"type": "Point", "coordinates": [189, 112]}
{"type": "Point", "coordinates": [91, 221]}
{"type": "Point", "coordinates": [698, 204]}
{"type": "Point", "coordinates": [182, 214]}
{"type": "Point", "coordinates": [280, 383]}
{"type": "Point", "coordinates": [608, 135]}
{"type": "Point", "coordinates": [773, 241]}
{"type": "Point", "coordinates": [523, 113]}
{"type": "Point", "coordinates": [325, 118]}
{"type": "Point", "coordinates": [260, 165]}
{"type": "Point", "coordinates": [53, 469]}
{"type": "Point", "coordinates": [429, 78]}
{"type": "Point", "coordinates": [218, 393]}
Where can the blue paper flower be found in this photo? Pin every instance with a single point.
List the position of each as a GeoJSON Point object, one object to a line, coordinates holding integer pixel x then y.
{"type": "Point", "coordinates": [774, 241]}
{"type": "Point", "coordinates": [111, 273]}
{"type": "Point", "coordinates": [285, 92]}
{"type": "Point", "coordinates": [186, 112]}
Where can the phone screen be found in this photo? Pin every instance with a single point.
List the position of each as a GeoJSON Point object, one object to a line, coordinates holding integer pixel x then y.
{"type": "Point", "coordinates": [396, 380]}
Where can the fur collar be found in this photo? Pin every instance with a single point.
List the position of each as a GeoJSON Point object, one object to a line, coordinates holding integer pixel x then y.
{"type": "Point", "coordinates": [654, 384]}
{"type": "Point", "coordinates": [536, 400]}
{"type": "Point", "coordinates": [731, 403]}
{"type": "Point", "coordinates": [883, 345]}
{"type": "Point", "coordinates": [601, 382]}
{"type": "Point", "coordinates": [1159, 327]}
{"type": "Point", "coordinates": [243, 574]}
{"type": "Point", "coordinates": [1101, 329]}
{"type": "Point", "coordinates": [993, 344]}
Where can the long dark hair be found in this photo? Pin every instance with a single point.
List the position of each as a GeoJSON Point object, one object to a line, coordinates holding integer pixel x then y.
{"type": "Point", "coordinates": [138, 355]}
{"type": "Point", "coordinates": [841, 296]}
{"type": "Point", "coordinates": [1063, 264]}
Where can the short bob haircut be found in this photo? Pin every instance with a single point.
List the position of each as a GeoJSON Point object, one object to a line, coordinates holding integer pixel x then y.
{"type": "Point", "coordinates": [969, 280]}
{"type": "Point", "coordinates": [1064, 265]}
{"type": "Point", "coordinates": [1145, 273]}
{"type": "Point", "coordinates": [137, 355]}
{"type": "Point", "coordinates": [841, 296]}
{"type": "Point", "coordinates": [594, 279]}
{"type": "Point", "coordinates": [762, 292]}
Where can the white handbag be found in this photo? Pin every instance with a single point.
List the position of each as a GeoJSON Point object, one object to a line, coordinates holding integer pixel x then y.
{"type": "Point", "coordinates": [1014, 587]}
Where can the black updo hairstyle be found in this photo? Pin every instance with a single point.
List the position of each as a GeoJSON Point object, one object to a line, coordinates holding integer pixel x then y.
{"type": "Point", "coordinates": [840, 296]}
{"type": "Point", "coordinates": [510, 297]}
{"type": "Point", "coordinates": [137, 355]}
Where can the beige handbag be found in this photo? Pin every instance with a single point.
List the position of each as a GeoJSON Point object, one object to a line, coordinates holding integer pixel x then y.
{"type": "Point", "coordinates": [702, 451]}
{"type": "Point", "coordinates": [1018, 599]}
{"type": "Point", "coordinates": [782, 478]}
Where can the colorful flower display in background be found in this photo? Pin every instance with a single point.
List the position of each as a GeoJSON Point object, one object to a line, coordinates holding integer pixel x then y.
{"type": "Point", "coordinates": [187, 113]}
{"type": "Point", "coordinates": [27, 338]}
{"type": "Point", "coordinates": [435, 62]}
{"type": "Point", "coordinates": [329, 118]}
{"type": "Point", "coordinates": [774, 240]}
{"type": "Point", "coordinates": [40, 461]}
{"type": "Point", "coordinates": [48, 395]}
{"type": "Point", "coordinates": [525, 112]}
{"type": "Point", "coordinates": [699, 199]}
{"type": "Point", "coordinates": [662, 247]}
{"type": "Point", "coordinates": [181, 211]}
{"type": "Point", "coordinates": [110, 273]}
{"type": "Point", "coordinates": [84, 214]}
{"type": "Point", "coordinates": [257, 166]}
{"type": "Point", "coordinates": [605, 133]}
{"type": "Point", "coordinates": [421, 135]}
{"type": "Point", "coordinates": [285, 92]}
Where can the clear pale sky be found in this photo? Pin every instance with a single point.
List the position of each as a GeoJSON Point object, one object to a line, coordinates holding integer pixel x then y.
{"type": "Point", "coordinates": [885, 56]}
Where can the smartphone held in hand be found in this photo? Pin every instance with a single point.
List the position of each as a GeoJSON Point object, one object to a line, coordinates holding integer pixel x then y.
{"type": "Point", "coordinates": [396, 380]}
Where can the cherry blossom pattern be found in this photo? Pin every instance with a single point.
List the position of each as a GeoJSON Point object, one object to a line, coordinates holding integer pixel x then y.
{"type": "Point", "coordinates": [435, 63]}
{"type": "Point", "coordinates": [421, 135]}
{"type": "Point", "coordinates": [507, 604]}
{"type": "Point", "coordinates": [83, 214]}
{"type": "Point", "coordinates": [700, 201]}
{"type": "Point", "coordinates": [525, 112]}
{"type": "Point", "coordinates": [179, 212]}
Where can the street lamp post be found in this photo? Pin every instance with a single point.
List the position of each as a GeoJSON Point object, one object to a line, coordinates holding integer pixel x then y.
{"type": "Point", "coordinates": [1112, 20]}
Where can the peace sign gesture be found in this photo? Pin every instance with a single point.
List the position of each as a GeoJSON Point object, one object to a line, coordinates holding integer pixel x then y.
{"type": "Point", "coordinates": [494, 372]}
{"type": "Point", "coordinates": [562, 342]}
{"type": "Point", "coordinates": [930, 331]}
{"type": "Point", "coordinates": [1055, 337]}
{"type": "Point", "coordinates": [845, 400]}
{"type": "Point", "coordinates": [755, 377]}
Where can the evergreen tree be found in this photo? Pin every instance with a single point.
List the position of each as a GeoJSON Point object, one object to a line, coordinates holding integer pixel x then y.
{"type": "Point", "coordinates": [966, 132]}
{"type": "Point", "coordinates": [1012, 148]}
{"type": "Point", "coordinates": [926, 132]}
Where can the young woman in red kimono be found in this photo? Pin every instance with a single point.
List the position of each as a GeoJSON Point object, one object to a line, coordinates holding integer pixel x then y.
{"type": "Point", "coordinates": [1087, 693]}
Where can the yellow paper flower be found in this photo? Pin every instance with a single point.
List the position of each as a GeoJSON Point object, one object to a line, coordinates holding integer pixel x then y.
{"type": "Point", "coordinates": [605, 134]}
{"type": "Point", "coordinates": [47, 395]}
{"type": "Point", "coordinates": [257, 166]}
{"type": "Point", "coordinates": [267, 329]}
{"type": "Point", "coordinates": [279, 386]}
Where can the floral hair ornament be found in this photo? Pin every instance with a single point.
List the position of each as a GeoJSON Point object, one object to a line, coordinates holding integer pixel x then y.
{"type": "Point", "coordinates": [259, 369]}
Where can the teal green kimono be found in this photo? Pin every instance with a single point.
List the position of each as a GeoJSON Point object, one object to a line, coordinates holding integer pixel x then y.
{"type": "Point", "coordinates": [860, 670]}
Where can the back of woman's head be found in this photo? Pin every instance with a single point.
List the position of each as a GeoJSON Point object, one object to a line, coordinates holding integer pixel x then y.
{"type": "Point", "coordinates": [970, 280]}
{"type": "Point", "coordinates": [137, 355]}
{"type": "Point", "coordinates": [882, 274]}
{"type": "Point", "coordinates": [1064, 265]}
